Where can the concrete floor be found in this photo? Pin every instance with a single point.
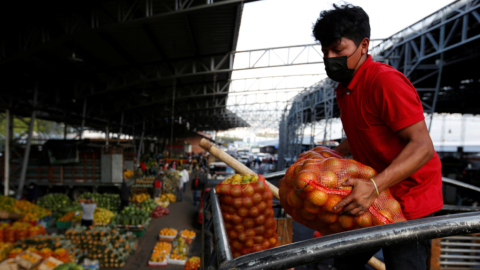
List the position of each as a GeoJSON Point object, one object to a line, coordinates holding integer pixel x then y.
{"type": "Point", "coordinates": [182, 216]}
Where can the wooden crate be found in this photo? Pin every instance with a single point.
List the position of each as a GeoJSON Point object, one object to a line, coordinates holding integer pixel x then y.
{"type": "Point", "coordinates": [456, 252]}
{"type": "Point", "coordinates": [284, 230]}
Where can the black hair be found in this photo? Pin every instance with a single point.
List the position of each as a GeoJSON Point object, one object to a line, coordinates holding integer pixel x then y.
{"type": "Point", "coordinates": [347, 21]}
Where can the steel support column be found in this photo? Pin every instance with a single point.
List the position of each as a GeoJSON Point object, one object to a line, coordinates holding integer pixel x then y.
{"type": "Point", "coordinates": [27, 148]}
{"type": "Point", "coordinates": [140, 144]}
{"type": "Point", "coordinates": [121, 129]}
{"type": "Point", "coordinates": [8, 134]}
{"type": "Point", "coordinates": [83, 118]}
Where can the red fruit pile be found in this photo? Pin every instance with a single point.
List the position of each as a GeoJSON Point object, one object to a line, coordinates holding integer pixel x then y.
{"type": "Point", "coordinates": [159, 211]}
{"type": "Point", "coordinates": [312, 186]}
{"type": "Point", "coordinates": [246, 204]}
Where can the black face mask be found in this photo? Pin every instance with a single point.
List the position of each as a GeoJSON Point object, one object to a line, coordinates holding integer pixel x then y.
{"type": "Point", "coordinates": [337, 68]}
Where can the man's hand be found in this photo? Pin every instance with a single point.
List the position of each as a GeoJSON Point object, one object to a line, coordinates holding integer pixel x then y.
{"type": "Point", "coordinates": [359, 200]}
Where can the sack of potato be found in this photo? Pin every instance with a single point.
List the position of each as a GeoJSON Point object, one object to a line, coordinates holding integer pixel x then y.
{"type": "Point", "coordinates": [246, 204]}
{"type": "Point", "coordinates": [312, 186]}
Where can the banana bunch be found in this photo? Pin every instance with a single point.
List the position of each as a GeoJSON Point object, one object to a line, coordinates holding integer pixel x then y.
{"type": "Point", "coordinates": [140, 197]}
{"type": "Point", "coordinates": [171, 197]}
{"type": "Point", "coordinates": [102, 215]}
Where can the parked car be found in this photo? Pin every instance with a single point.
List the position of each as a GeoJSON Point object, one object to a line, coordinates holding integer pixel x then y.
{"type": "Point", "coordinates": [245, 158]}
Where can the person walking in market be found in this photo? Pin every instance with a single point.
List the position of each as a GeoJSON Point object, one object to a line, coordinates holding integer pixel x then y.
{"type": "Point", "coordinates": [197, 187]}
{"type": "Point", "coordinates": [185, 177]}
{"type": "Point", "coordinates": [88, 209]}
{"type": "Point", "coordinates": [125, 194]}
{"type": "Point", "coordinates": [180, 187]}
{"type": "Point", "coordinates": [382, 116]}
{"type": "Point", "coordinates": [157, 185]}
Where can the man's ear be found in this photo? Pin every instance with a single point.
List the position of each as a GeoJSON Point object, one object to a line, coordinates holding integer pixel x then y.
{"type": "Point", "coordinates": [365, 43]}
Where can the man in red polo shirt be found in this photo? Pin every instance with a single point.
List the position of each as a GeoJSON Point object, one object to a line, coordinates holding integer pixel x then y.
{"type": "Point", "coordinates": [383, 119]}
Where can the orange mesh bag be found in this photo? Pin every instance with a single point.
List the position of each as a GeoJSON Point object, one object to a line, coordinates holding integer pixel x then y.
{"type": "Point", "coordinates": [246, 204]}
{"type": "Point", "coordinates": [312, 186]}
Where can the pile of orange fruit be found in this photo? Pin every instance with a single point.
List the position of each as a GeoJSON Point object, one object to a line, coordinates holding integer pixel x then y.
{"type": "Point", "coordinates": [68, 216]}
{"type": "Point", "coordinates": [168, 231]}
{"type": "Point", "coordinates": [160, 252]}
{"type": "Point", "coordinates": [192, 264]}
{"type": "Point", "coordinates": [187, 234]}
{"type": "Point", "coordinates": [14, 252]}
{"type": "Point", "coordinates": [61, 254]}
{"type": "Point", "coordinates": [29, 257]}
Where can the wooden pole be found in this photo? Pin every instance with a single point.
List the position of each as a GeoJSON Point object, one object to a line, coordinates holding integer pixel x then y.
{"type": "Point", "coordinates": [235, 164]}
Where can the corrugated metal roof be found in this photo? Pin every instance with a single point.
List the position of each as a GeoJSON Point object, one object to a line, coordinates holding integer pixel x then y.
{"type": "Point", "coordinates": [103, 51]}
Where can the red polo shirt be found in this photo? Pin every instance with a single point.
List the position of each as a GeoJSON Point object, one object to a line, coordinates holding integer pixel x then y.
{"type": "Point", "coordinates": [378, 102]}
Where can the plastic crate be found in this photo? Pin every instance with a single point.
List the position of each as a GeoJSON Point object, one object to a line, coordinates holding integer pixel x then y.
{"type": "Point", "coordinates": [64, 224]}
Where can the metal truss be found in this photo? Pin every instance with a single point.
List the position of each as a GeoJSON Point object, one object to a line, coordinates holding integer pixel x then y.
{"type": "Point", "coordinates": [101, 18]}
{"type": "Point", "coordinates": [420, 51]}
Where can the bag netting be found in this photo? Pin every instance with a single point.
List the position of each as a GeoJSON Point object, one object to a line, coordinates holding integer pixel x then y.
{"type": "Point", "coordinates": [246, 204]}
{"type": "Point", "coordinates": [312, 186]}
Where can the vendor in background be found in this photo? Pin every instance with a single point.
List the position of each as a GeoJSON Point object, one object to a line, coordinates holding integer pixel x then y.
{"type": "Point", "coordinates": [32, 192]}
{"type": "Point", "coordinates": [185, 177]}
{"type": "Point", "coordinates": [88, 209]}
{"type": "Point", "coordinates": [157, 185]}
{"type": "Point", "coordinates": [180, 186]}
{"type": "Point", "coordinates": [125, 193]}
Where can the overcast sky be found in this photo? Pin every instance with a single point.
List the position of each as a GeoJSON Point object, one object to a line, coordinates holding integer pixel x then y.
{"type": "Point", "coordinates": [276, 23]}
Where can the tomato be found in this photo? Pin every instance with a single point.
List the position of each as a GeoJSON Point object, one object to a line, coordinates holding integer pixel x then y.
{"type": "Point", "coordinates": [258, 239]}
{"type": "Point", "coordinates": [261, 206]}
{"type": "Point", "coordinates": [273, 241]}
{"type": "Point", "coordinates": [257, 248]}
{"type": "Point", "coordinates": [246, 251]}
{"type": "Point", "coordinates": [257, 198]}
{"type": "Point", "coordinates": [249, 243]}
{"type": "Point", "coordinates": [266, 244]}
{"type": "Point", "coordinates": [248, 190]}
{"type": "Point", "coordinates": [310, 207]}
{"type": "Point", "coordinates": [227, 217]}
{"type": "Point", "coordinates": [253, 212]}
{"type": "Point", "coordinates": [259, 230]}
{"type": "Point", "coordinates": [346, 221]}
{"type": "Point", "coordinates": [227, 199]}
{"type": "Point", "coordinates": [367, 172]}
{"type": "Point", "coordinates": [298, 168]}
{"type": "Point", "coordinates": [236, 191]}
{"type": "Point", "coordinates": [307, 215]}
{"type": "Point", "coordinates": [328, 179]}
{"type": "Point", "coordinates": [267, 196]}
{"type": "Point", "coordinates": [243, 212]}
{"type": "Point", "coordinates": [384, 213]}
{"type": "Point", "coordinates": [293, 200]}
{"type": "Point", "coordinates": [351, 169]}
{"type": "Point", "coordinates": [236, 219]}
{"type": "Point", "coordinates": [270, 222]}
{"type": "Point", "coordinates": [239, 228]}
{"type": "Point", "coordinates": [260, 220]}
{"type": "Point", "coordinates": [250, 233]}
{"type": "Point", "coordinates": [269, 212]}
{"type": "Point", "coordinates": [259, 187]}
{"type": "Point", "coordinates": [248, 223]}
{"type": "Point", "coordinates": [317, 197]}
{"type": "Point", "coordinates": [393, 206]}
{"type": "Point", "coordinates": [237, 245]}
{"type": "Point", "coordinates": [237, 203]}
{"type": "Point", "coordinates": [336, 228]}
{"type": "Point", "coordinates": [232, 234]}
{"type": "Point", "coordinates": [327, 217]}
{"type": "Point", "coordinates": [247, 202]}
{"type": "Point", "coordinates": [364, 220]}
{"type": "Point", "coordinates": [242, 237]}
{"type": "Point", "coordinates": [331, 202]}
